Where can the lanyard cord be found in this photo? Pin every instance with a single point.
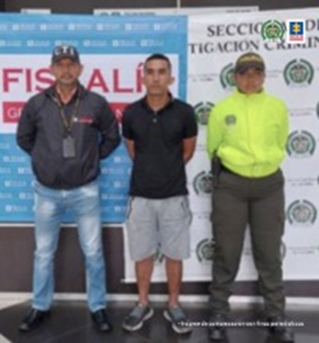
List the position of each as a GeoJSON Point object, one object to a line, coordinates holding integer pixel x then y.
{"type": "Point", "coordinates": [67, 124]}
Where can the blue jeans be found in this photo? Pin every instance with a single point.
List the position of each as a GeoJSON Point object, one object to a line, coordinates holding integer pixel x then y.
{"type": "Point", "coordinates": [50, 205]}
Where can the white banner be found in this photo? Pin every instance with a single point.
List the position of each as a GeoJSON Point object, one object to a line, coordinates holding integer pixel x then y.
{"type": "Point", "coordinates": [292, 75]}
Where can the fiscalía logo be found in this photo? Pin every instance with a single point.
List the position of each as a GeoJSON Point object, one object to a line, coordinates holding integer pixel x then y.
{"type": "Point", "coordinates": [301, 213]}
{"type": "Point", "coordinates": [202, 111]}
{"type": "Point", "coordinates": [205, 250]}
{"type": "Point", "coordinates": [298, 72]}
{"type": "Point", "coordinates": [272, 30]}
{"type": "Point", "coordinates": [296, 33]}
{"type": "Point", "coordinates": [226, 76]}
{"type": "Point", "coordinates": [301, 144]}
{"type": "Point", "coordinates": [203, 183]}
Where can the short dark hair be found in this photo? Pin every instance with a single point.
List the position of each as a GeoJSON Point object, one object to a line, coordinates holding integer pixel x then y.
{"type": "Point", "coordinates": [159, 56]}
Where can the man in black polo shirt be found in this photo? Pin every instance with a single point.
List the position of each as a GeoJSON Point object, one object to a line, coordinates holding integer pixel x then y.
{"type": "Point", "coordinates": [160, 135]}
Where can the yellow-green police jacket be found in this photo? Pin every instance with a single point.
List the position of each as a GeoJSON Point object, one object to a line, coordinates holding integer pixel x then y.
{"type": "Point", "coordinates": [249, 133]}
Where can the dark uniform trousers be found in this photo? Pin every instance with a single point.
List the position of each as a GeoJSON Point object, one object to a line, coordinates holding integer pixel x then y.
{"type": "Point", "coordinates": [258, 202]}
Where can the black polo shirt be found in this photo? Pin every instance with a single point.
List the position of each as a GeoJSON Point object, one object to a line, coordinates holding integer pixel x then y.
{"type": "Point", "coordinates": [158, 167]}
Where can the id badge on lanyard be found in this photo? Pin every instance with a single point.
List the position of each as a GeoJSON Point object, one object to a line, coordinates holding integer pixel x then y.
{"type": "Point", "coordinates": [68, 147]}
{"type": "Point", "coordinates": [68, 142]}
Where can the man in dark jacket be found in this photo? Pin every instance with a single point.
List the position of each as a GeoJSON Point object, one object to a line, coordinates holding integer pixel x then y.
{"type": "Point", "coordinates": [67, 130]}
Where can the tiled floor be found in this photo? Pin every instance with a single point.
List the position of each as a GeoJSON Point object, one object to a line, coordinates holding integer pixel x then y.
{"type": "Point", "coordinates": [70, 323]}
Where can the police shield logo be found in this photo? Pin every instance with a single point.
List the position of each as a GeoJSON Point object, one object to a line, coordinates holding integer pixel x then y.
{"type": "Point", "coordinates": [298, 73]}
{"type": "Point", "coordinates": [272, 30]}
{"type": "Point", "coordinates": [226, 76]}
{"type": "Point", "coordinates": [301, 213]}
{"type": "Point", "coordinates": [203, 183]}
{"type": "Point", "coordinates": [301, 144]}
{"type": "Point", "coordinates": [230, 120]}
{"type": "Point", "coordinates": [202, 111]}
{"type": "Point", "coordinates": [205, 250]}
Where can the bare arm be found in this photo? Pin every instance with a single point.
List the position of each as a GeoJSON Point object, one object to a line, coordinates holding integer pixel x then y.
{"type": "Point", "coordinates": [188, 148]}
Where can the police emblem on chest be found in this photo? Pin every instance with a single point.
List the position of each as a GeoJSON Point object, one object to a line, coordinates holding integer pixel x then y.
{"type": "Point", "coordinates": [230, 120]}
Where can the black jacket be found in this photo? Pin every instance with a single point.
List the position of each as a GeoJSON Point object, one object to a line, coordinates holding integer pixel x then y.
{"type": "Point", "coordinates": [41, 132]}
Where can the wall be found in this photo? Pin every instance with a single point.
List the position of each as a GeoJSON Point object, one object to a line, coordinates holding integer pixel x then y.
{"type": "Point", "coordinates": [83, 6]}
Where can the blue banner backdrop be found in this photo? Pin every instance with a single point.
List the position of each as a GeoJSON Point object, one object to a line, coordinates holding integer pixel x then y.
{"type": "Point", "coordinates": [112, 50]}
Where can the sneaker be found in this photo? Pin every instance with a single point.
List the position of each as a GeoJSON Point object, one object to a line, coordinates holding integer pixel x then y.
{"type": "Point", "coordinates": [136, 318]}
{"type": "Point", "coordinates": [178, 319]}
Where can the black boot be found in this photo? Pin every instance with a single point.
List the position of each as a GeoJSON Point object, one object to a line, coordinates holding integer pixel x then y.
{"type": "Point", "coordinates": [101, 321]}
{"type": "Point", "coordinates": [278, 329]}
{"type": "Point", "coordinates": [217, 328]}
{"type": "Point", "coordinates": [33, 319]}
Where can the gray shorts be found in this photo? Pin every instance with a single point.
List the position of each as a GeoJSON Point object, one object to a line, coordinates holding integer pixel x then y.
{"type": "Point", "coordinates": [159, 224]}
